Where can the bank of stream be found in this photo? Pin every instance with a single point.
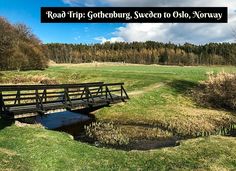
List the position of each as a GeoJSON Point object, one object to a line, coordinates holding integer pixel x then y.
{"type": "Point", "coordinates": [74, 123]}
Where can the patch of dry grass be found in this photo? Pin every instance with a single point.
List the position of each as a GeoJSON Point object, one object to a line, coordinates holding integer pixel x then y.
{"type": "Point", "coordinates": [146, 89]}
{"type": "Point", "coordinates": [135, 132]}
{"type": "Point", "coordinates": [218, 91]}
{"type": "Point", "coordinates": [189, 121]}
{"type": "Point", "coordinates": [21, 124]}
{"type": "Point", "coordinates": [96, 64]}
{"type": "Point", "coordinates": [29, 79]}
{"type": "Point", "coordinates": [8, 152]}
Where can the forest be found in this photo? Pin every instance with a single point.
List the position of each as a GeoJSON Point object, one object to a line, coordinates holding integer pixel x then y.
{"type": "Point", "coordinates": [149, 52]}
{"type": "Point", "coordinates": [20, 49]}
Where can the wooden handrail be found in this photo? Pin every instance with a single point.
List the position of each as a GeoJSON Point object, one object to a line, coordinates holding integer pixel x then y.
{"type": "Point", "coordinates": [39, 87]}
{"type": "Point", "coordinates": [22, 97]}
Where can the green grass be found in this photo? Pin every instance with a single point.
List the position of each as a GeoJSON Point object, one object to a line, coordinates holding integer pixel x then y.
{"type": "Point", "coordinates": [48, 150]}
{"type": "Point", "coordinates": [135, 77]}
{"type": "Point", "coordinates": [159, 99]}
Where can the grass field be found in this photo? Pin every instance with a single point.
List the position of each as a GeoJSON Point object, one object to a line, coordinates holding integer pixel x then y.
{"type": "Point", "coordinates": [160, 99]}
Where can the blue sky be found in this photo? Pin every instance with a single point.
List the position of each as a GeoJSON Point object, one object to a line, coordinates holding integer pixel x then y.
{"type": "Point", "coordinates": [28, 12]}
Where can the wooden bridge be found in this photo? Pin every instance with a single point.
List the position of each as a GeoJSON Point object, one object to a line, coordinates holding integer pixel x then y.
{"type": "Point", "coordinates": [18, 101]}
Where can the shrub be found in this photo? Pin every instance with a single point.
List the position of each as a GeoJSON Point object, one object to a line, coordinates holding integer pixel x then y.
{"type": "Point", "coordinates": [41, 79]}
{"type": "Point", "coordinates": [106, 133]}
{"type": "Point", "coordinates": [218, 91]}
{"type": "Point", "coordinates": [36, 79]}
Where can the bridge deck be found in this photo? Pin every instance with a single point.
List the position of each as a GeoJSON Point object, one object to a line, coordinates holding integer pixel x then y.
{"type": "Point", "coordinates": [20, 100]}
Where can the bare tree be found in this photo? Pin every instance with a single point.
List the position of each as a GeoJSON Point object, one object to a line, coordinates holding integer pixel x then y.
{"type": "Point", "coordinates": [19, 48]}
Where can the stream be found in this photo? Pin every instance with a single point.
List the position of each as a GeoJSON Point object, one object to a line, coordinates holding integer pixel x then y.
{"type": "Point", "coordinates": [73, 123]}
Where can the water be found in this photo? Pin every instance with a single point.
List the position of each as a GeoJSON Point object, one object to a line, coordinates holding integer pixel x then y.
{"type": "Point", "coordinates": [71, 122]}
{"type": "Point", "coordinates": [62, 119]}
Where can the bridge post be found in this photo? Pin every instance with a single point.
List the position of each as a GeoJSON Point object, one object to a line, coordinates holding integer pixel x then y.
{"type": "Point", "coordinates": [86, 90]}
{"type": "Point", "coordinates": [123, 90]}
{"type": "Point", "coordinates": [44, 96]}
{"type": "Point", "coordinates": [82, 93]}
{"type": "Point", "coordinates": [17, 97]}
{"type": "Point", "coordinates": [40, 106]}
{"type": "Point", "coordinates": [67, 97]}
{"type": "Point", "coordinates": [2, 106]}
{"type": "Point", "coordinates": [99, 91]}
{"type": "Point", "coordinates": [88, 95]}
{"type": "Point", "coordinates": [37, 99]}
{"type": "Point", "coordinates": [108, 91]}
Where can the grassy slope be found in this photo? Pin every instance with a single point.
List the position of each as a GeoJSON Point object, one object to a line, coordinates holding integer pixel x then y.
{"type": "Point", "coordinates": [48, 150]}
{"type": "Point", "coordinates": [165, 105]}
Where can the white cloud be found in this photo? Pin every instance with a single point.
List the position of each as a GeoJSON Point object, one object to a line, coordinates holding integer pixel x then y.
{"type": "Point", "coordinates": [178, 33]}
{"type": "Point", "coordinates": [143, 32]}
{"type": "Point", "coordinates": [71, 2]}
{"type": "Point", "coordinates": [112, 40]}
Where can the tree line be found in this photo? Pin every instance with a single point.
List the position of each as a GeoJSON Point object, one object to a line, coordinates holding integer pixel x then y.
{"type": "Point", "coordinates": [149, 52]}
{"type": "Point", "coordinates": [22, 50]}
{"type": "Point", "coordinates": [19, 48]}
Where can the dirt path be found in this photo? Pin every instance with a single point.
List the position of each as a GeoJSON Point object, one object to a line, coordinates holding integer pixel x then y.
{"type": "Point", "coordinates": [146, 89]}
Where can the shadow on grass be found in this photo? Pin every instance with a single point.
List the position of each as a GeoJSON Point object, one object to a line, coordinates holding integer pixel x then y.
{"type": "Point", "coordinates": [182, 86]}
{"type": "Point", "coordinates": [5, 123]}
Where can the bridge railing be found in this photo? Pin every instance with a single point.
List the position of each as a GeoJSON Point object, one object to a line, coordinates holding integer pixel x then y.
{"type": "Point", "coordinates": [19, 99]}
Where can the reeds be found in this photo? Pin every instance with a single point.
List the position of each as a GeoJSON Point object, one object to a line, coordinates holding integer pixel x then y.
{"type": "Point", "coordinates": [106, 133]}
